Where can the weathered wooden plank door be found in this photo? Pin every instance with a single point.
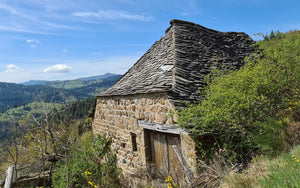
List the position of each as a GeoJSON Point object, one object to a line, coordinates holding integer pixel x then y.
{"type": "Point", "coordinates": [161, 152]}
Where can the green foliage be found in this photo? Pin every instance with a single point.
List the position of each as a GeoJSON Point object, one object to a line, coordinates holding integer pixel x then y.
{"type": "Point", "coordinates": [91, 161]}
{"type": "Point", "coordinates": [248, 110]}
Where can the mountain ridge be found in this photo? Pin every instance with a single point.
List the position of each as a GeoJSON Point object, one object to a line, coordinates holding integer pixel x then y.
{"type": "Point", "coordinates": [42, 82]}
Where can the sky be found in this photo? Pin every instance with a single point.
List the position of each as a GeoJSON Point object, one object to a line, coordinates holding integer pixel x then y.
{"type": "Point", "coordinates": [69, 39]}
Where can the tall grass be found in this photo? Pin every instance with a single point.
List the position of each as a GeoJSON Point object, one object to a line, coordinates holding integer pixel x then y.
{"type": "Point", "coordinates": [283, 171]}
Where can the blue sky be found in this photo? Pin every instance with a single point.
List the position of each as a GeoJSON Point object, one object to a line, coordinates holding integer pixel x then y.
{"type": "Point", "coordinates": [68, 39]}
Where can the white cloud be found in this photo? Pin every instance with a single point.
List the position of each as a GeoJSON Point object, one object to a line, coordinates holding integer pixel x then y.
{"type": "Point", "coordinates": [32, 41]}
{"type": "Point", "coordinates": [59, 68]}
{"type": "Point", "coordinates": [113, 15]}
{"type": "Point", "coordinates": [11, 68]}
{"type": "Point", "coordinates": [64, 50]}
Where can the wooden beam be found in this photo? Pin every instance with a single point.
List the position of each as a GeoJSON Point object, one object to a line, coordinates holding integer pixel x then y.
{"type": "Point", "coordinates": [185, 166]}
{"type": "Point", "coordinates": [9, 177]}
{"type": "Point", "coordinates": [164, 128]}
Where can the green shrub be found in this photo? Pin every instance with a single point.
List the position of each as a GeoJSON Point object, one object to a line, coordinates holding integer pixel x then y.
{"type": "Point", "coordinates": [248, 110]}
{"type": "Point", "coordinates": [91, 164]}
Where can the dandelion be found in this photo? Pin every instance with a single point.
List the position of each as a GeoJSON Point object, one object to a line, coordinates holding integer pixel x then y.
{"type": "Point", "coordinates": [279, 121]}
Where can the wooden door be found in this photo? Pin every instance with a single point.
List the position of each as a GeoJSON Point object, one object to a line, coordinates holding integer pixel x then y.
{"type": "Point", "coordinates": [160, 152]}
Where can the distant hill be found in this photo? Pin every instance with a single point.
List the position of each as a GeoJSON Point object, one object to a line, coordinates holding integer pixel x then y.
{"type": "Point", "coordinates": [107, 75]}
{"type": "Point", "coordinates": [15, 95]}
{"type": "Point", "coordinates": [34, 82]}
{"type": "Point", "coordinates": [58, 83]}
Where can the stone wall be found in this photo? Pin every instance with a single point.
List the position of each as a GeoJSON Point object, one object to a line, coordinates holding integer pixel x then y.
{"type": "Point", "coordinates": [117, 117]}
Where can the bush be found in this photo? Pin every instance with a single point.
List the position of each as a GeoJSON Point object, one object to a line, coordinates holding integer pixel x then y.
{"type": "Point", "coordinates": [91, 164]}
{"type": "Point", "coordinates": [248, 111]}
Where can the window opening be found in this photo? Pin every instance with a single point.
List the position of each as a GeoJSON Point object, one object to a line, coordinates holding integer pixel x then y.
{"type": "Point", "coordinates": [133, 140]}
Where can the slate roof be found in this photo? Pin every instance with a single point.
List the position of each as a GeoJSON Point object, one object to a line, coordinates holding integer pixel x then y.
{"type": "Point", "coordinates": [177, 63]}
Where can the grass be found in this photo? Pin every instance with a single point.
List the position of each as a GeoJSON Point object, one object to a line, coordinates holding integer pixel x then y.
{"type": "Point", "coordinates": [283, 171]}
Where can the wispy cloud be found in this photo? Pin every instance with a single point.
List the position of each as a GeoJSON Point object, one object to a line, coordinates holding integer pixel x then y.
{"type": "Point", "coordinates": [11, 68]}
{"type": "Point", "coordinates": [22, 30]}
{"type": "Point", "coordinates": [20, 20]}
{"type": "Point", "coordinates": [59, 68]}
{"type": "Point", "coordinates": [32, 41]}
{"type": "Point", "coordinates": [64, 50]}
{"type": "Point", "coordinates": [113, 15]}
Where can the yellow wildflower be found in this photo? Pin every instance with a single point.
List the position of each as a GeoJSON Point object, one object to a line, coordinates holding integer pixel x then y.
{"type": "Point", "coordinates": [95, 186]}
{"type": "Point", "coordinates": [290, 108]}
{"type": "Point", "coordinates": [90, 183]}
{"type": "Point", "coordinates": [169, 179]}
{"type": "Point", "coordinates": [298, 161]}
{"type": "Point", "coordinates": [279, 121]}
{"type": "Point", "coordinates": [293, 156]}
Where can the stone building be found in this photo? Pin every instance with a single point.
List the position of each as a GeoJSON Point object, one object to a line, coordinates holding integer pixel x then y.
{"type": "Point", "coordinates": [139, 111]}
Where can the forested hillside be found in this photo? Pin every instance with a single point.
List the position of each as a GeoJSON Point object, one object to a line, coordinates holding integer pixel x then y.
{"type": "Point", "coordinates": [15, 95]}
{"type": "Point", "coordinates": [23, 100]}
{"type": "Point", "coordinates": [89, 85]}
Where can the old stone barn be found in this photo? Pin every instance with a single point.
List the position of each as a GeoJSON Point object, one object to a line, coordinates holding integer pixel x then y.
{"type": "Point", "coordinates": [139, 111]}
